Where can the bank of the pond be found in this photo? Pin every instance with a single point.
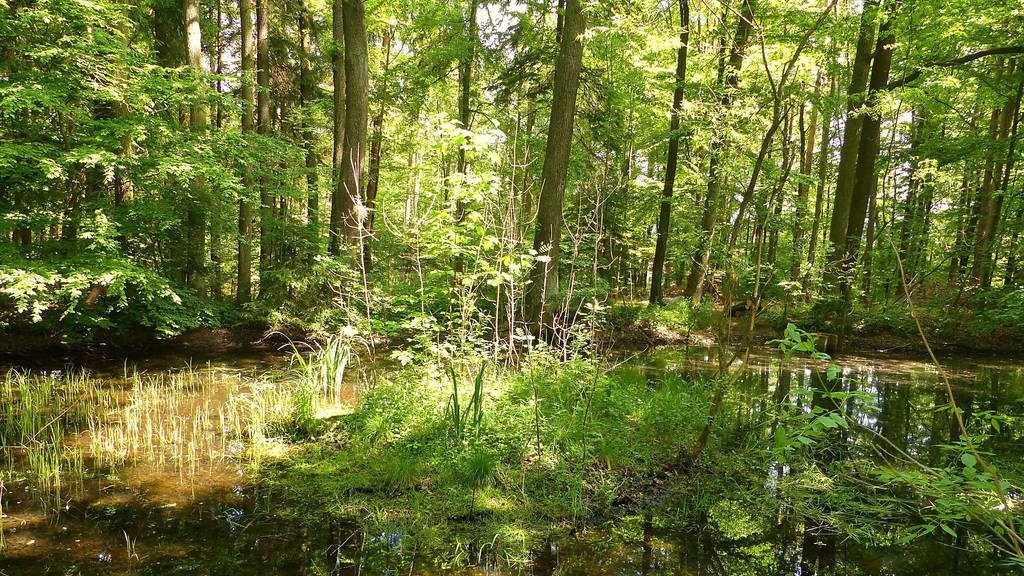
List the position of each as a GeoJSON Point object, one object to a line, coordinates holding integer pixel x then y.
{"type": "Point", "coordinates": [892, 329]}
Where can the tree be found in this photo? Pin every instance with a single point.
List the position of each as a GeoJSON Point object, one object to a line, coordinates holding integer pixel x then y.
{"type": "Point", "coordinates": [665, 210]}
{"type": "Point", "coordinates": [195, 270]}
{"type": "Point", "coordinates": [856, 95]}
{"type": "Point", "coordinates": [729, 77]}
{"type": "Point", "coordinates": [243, 290]}
{"type": "Point", "coordinates": [264, 129]}
{"type": "Point", "coordinates": [356, 116]}
{"type": "Point", "coordinates": [808, 130]}
{"type": "Point", "coordinates": [338, 76]}
{"type": "Point", "coordinates": [865, 181]}
{"type": "Point", "coordinates": [543, 291]}
{"type": "Point", "coordinates": [307, 93]}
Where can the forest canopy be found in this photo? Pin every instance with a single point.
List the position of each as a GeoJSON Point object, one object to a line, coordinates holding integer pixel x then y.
{"type": "Point", "coordinates": [504, 166]}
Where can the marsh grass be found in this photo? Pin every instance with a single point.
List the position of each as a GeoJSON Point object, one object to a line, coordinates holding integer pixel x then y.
{"type": "Point", "coordinates": [554, 449]}
{"type": "Point", "coordinates": [55, 425]}
{"type": "Point", "coordinates": [3, 490]}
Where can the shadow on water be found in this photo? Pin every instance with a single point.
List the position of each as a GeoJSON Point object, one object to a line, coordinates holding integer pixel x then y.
{"type": "Point", "coordinates": [148, 520]}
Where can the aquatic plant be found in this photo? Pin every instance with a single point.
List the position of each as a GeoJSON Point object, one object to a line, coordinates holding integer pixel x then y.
{"type": "Point", "coordinates": [473, 412]}
{"type": "Point", "coordinates": [478, 471]}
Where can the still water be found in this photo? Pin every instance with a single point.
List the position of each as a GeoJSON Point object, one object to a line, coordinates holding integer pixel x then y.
{"type": "Point", "coordinates": [153, 518]}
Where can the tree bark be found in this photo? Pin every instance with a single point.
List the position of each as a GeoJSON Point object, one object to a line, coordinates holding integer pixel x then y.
{"type": "Point", "coordinates": [807, 133]}
{"type": "Point", "coordinates": [542, 293]}
{"type": "Point", "coordinates": [338, 77]}
{"type": "Point", "coordinates": [837, 264]}
{"type": "Point", "coordinates": [819, 194]}
{"type": "Point", "coordinates": [865, 183]}
{"type": "Point", "coordinates": [307, 93]}
{"type": "Point", "coordinates": [730, 77]}
{"type": "Point", "coordinates": [263, 127]}
{"type": "Point", "coordinates": [465, 91]}
{"type": "Point", "coordinates": [994, 187]}
{"type": "Point", "coordinates": [671, 162]}
{"type": "Point", "coordinates": [357, 87]}
{"type": "Point", "coordinates": [243, 289]}
{"type": "Point", "coordinates": [199, 122]}
{"type": "Point", "coordinates": [373, 171]}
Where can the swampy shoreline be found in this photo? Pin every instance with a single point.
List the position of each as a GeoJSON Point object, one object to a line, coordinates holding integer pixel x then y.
{"type": "Point", "coordinates": [570, 462]}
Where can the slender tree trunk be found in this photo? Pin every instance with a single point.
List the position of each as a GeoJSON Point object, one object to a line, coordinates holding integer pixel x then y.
{"type": "Point", "coordinates": [373, 171]}
{"type": "Point", "coordinates": [1014, 249]}
{"type": "Point", "coordinates": [264, 128]}
{"type": "Point", "coordinates": [819, 194]}
{"type": "Point", "coordinates": [307, 94]}
{"type": "Point", "coordinates": [1011, 157]}
{"type": "Point", "coordinates": [527, 188]}
{"type": "Point", "coordinates": [217, 48]}
{"type": "Point", "coordinates": [865, 184]}
{"type": "Point", "coordinates": [243, 289]}
{"type": "Point", "coordinates": [465, 90]}
{"type": "Point", "coordinates": [356, 117]}
{"type": "Point", "coordinates": [869, 245]}
{"type": "Point", "coordinates": [195, 271]}
{"type": "Point", "coordinates": [542, 295]}
{"type": "Point", "coordinates": [994, 188]}
{"type": "Point", "coordinates": [338, 197]}
{"type": "Point", "coordinates": [465, 115]}
{"type": "Point", "coordinates": [807, 132]}
{"type": "Point", "coordinates": [909, 225]}
{"type": "Point", "coordinates": [665, 210]}
{"type": "Point", "coordinates": [984, 206]}
{"type": "Point", "coordinates": [838, 266]}
{"type": "Point", "coordinates": [772, 227]}
{"type": "Point", "coordinates": [730, 76]}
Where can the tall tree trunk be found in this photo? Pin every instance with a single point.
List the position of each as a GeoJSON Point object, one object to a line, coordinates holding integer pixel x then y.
{"type": "Point", "coordinates": [869, 245]}
{"type": "Point", "coordinates": [983, 231]}
{"type": "Point", "coordinates": [730, 76]}
{"type": "Point", "coordinates": [543, 291]}
{"type": "Point", "coordinates": [307, 93]}
{"type": "Point", "coordinates": [199, 121]}
{"type": "Point", "coordinates": [357, 87]}
{"type": "Point", "coordinates": [338, 207]}
{"type": "Point", "coordinates": [243, 289]}
{"type": "Point", "coordinates": [219, 68]}
{"type": "Point", "coordinates": [465, 91]}
{"type": "Point", "coordinates": [909, 225]}
{"type": "Point", "coordinates": [169, 33]}
{"type": "Point", "coordinates": [263, 126]}
{"type": "Point", "coordinates": [994, 188]}
{"type": "Point", "coordinates": [217, 48]}
{"type": "Point", "coordinates": [865, 183]}
{"type": "Point", "coordinates": [665, 210]}
{"type": "Point", "coordinates": [807, 132]}
{"type": "Point", "coordinates": [819, 193]}
{"type": "Point", "coordinates": [373, 171]}
{"type": "Point", "coordinates": [772, 226]}
{"type": "Point", "coordinates": [1014, 249]}
{"type": "Point", "coordinates": [838, 266]}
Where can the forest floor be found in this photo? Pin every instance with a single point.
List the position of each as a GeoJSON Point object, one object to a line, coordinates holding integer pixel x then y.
{"type": "Point", "coordinates": [636, 326]}
{"type": "Point", "coordinates": [628, 325]}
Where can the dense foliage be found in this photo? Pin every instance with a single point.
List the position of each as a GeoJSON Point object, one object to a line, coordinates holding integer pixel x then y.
{"type": "Point", "coordinates": [164, 161]}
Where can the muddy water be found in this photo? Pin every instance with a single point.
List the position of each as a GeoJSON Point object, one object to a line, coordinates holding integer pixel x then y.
{"type": "Point", "coordinates": [151, 518]}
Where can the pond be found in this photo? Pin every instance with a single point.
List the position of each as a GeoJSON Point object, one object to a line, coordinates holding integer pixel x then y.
{"type": "Point", "coordinates": [160, 501]}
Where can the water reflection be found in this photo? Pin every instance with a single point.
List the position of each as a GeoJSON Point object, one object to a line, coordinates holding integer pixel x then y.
{"type": "Point", "coordinates": [225, 528]}
{"type": "Point", "coordinates": [901, 401]}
